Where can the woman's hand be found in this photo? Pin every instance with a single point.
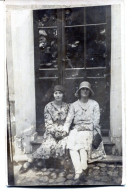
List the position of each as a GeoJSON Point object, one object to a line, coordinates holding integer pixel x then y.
{"type": "Point", "coordinates": [50, 131]}
{"type": "Point", "coordinates": [64, 134]}
{"type": "Point", "coordinates": [58, 134]}
{"type": "Point", "coordinates": [66, 130]}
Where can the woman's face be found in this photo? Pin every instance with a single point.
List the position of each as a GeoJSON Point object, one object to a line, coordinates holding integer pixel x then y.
{"type": "Point", "coordinates": [58, 95]}
{"type": "Point", "coordinates": [85, 93]}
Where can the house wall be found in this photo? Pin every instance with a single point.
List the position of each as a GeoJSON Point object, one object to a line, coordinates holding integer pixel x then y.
{"type": "Point", "coordinates": [20, 55]}
{"type": "Point", "coordinates": [23, 67]}
{"type": "Point", "coordinates": [21, 73]}
{"type": "Point", "coordinates": [116, 78]}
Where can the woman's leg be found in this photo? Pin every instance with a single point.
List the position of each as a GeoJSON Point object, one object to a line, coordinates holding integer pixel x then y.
{"type": "Point", "coordinates": [27, 165]}
{"type": "Point", "coordinates": [75, 157]}
{"type": "Point", "coordinates": [83, 159]}
{"type": "Point", "coordinates": [31, 160]}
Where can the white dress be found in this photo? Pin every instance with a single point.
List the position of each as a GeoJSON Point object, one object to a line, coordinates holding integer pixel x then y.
{"type": "Point", "coordinates": [85, 118]}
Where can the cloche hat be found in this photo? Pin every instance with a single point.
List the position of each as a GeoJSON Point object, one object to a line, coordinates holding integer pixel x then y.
{"type": "Point", "coordinates": [84, 84]}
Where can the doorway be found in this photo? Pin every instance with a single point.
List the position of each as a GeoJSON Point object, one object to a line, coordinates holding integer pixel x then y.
{"type": "Point", "coordinates": [72, 45]}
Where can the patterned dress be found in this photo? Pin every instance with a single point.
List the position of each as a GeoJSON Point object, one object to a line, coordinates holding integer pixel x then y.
{"type": "Point", "coordinates": [55, 138]}
{"type": "Point", "coordinates": [85, 118]}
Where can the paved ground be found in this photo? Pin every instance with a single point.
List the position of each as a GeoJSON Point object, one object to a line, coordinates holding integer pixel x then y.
{"type": "Point", "coordinates": [98, 174]}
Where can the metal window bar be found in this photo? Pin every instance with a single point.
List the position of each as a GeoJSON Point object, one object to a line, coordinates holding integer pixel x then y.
{"type": "Point", "coordinates": [79, 25]}
{"type": "Point", "coordinates": [63, 45]}
{"type": "Point", "coordinates": [84, 37]}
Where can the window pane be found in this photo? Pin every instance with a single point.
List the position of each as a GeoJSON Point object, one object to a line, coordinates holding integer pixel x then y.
{"type": "Point", "coordinates": [74, 47]}
{"type": "Point", "coordinates": [96, 15]}
{"type": "Point", "coordinates": [96, 46]}
{"type": "Point", "coordinates": [74, 16]}
{"type": "Point", "coordinates": [48, 48]}
{"type": "Point", "coordinates": [47, 18]}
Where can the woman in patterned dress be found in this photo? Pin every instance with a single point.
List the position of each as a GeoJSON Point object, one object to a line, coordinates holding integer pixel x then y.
{"type": "Point", "coordinates": [54, 142]}
{"type": "Point", "coordinates": [85, 116]}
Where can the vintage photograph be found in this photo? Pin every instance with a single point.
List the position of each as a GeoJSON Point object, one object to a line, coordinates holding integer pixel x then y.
{"type": "Point", "coordinates": [64, 95]}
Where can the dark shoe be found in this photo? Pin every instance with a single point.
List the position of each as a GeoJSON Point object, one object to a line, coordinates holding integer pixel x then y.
{"type": "Point", "coordinates": [36, 169]}
{"type": "Point", "coordinates": [82, 177]}
{"type": "Point", "coordinates": [85, 171]}
{"type": "Point", "coordinates": [77, 182]}
{"type": "Point", "coordinates": [39, 164]}
{"type": "Point", "coordinates": [25, 168]}
{"type": "Point", "coordinates": [77, 176]}
{"type": "Point", "coordinates": [76, 179]}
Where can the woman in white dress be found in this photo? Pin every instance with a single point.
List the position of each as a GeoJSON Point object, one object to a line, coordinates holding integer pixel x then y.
{"type": "Point", "coordinates": [84, 114]}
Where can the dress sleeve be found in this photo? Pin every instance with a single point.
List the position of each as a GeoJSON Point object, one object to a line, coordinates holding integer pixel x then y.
{"type": "Point", "coordinates": [96, 115]}
{"type": "Point", "coordinates": [69, 118]}
{"type": "Point", "coordinates": [48, 120]}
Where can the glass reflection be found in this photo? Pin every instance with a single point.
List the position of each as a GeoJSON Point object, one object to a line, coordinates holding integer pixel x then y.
{"type": "Point", "coordinates": [48, 48]}
{"type": "Point", "coordinates": [74, 16]}
{"type": "Point", "coordinates": [47, 18]}
{"type": "Point", "coordinates": [96, 46]}
{"type": "Point", "coordinates": [95, 15]}
{"type": "Point", "coordinates": [74, 47]}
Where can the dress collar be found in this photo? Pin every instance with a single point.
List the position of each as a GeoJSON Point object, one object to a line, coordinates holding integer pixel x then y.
{"type": "Point", "coordinates": [57, 107]}
{"type": "Point", "coordinates": [84, 106]}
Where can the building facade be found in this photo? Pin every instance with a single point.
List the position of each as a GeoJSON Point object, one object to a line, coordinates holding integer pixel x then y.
{"type": "Point", "coordinates": [27, 74]}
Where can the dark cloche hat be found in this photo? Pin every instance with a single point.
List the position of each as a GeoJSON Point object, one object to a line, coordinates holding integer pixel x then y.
{"type": "Point", "coordinates": [59, 88]}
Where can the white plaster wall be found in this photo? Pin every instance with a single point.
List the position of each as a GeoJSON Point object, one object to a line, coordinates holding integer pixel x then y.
{"type": "Point", "coordinates": [116, 78]}
{"type": "Point", "coordinates": [10, 74]}
{"type": "Point", "coordinates": [38, 4]}
{"type": "Point", "coordinates": [23, 67]}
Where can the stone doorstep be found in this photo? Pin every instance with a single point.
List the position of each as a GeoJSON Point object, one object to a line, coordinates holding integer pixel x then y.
{"type": "Point", "coordinates": [108, 159]}
{"type": "Point", "coordinates": [111, 159]}
{"type": "Point", "coordinates": [39, 140]}
{"type": "Point", "coordinates": [108, 145]}
{"type": "Point", "coordinates": [104, 132]}
{"type": "Point", "coordinates": [106, 141]}
{"type": "Point", "coordinates": [20, 158]}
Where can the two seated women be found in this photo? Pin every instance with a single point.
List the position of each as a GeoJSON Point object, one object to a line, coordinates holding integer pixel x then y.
{"type": "Point", "coordinates": [59, 136]}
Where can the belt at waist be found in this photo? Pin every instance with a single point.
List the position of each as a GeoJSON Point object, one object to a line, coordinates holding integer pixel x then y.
{"type": "Point", "coordinates": [84, 127]}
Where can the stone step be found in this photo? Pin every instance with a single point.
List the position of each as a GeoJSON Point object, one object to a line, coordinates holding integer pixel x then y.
{"type": "Point", "coordinates": [104, 132]}
{"type": "Point", "coordinates": [108, 145]}
{"type": "Point", "coordinates": [111, 159]}
{"type": "Point", "coordinates": [39, 140]}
